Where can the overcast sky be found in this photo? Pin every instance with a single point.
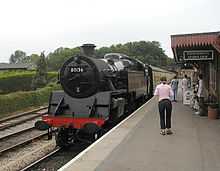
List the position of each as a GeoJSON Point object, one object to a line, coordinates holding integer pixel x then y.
{"type": "Point", "coordinates": [37, 25]}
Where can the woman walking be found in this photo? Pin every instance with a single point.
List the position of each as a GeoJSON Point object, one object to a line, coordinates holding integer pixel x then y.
{"type": "Point", "coordinates": [174, 86]}
{"type": "Point", "coordinates": [184, 85]}
{"type": "Point", "coordinates": [164, 92]}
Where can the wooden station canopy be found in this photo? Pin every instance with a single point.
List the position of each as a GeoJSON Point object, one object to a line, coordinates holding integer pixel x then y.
{"type": "Point", "coordinates": [201, 51]}
{"type": "Point", "coordinates": [195, 47]}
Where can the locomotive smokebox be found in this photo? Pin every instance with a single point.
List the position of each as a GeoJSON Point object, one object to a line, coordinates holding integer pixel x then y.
{"type": "Point", "coordinates": [88, 50]}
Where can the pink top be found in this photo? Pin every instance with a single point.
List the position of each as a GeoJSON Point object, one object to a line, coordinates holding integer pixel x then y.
{"type": "Point", "coordinates": [164, 91]}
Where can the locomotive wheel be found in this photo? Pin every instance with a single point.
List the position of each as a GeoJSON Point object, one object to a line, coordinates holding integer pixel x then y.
{"type": "Point", "coordinates": [97, 134]}
{"type": "Point", "coordinates": [91, 128]}
{"type": "Point", "coordinates": [63, 138]}
{"type": "Point", "coordinates": [94, 131]}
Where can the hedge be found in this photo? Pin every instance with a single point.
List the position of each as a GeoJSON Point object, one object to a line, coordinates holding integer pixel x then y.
{"type": "Point", "coordinates": [19, 81]}
{"type": "Point", "coordinates": [52, 76]}
{"type": "Point", "coordinates": [20, 100]}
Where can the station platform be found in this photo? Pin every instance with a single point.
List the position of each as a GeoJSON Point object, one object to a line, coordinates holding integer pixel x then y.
{"type": "Point", "coordinates": [136, 144]}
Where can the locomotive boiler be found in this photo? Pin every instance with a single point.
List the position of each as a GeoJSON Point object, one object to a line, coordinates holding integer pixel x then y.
{"type": "Point", "coordinates": [96, 91]}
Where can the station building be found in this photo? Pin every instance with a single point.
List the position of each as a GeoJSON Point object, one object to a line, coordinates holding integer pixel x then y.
{"type": "Point", "coordinates": [202, 52]}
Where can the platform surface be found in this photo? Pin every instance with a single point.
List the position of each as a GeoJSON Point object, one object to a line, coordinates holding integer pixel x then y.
{"type": "Point", "coordinates": [136, 145]}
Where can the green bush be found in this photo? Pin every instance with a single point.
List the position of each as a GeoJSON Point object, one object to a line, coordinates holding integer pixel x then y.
{"type": "Point", "coordinates": [20, 80]}
{"type": "Point", "coordinates": [15, 81]}
{"type": "Point", "coordinates": [52, 77]}
{"type": "Point", "coordinates": [20, 100]}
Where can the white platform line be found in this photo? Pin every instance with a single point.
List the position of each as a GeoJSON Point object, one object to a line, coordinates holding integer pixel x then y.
{"type": "Point", "coordinates": [100, 139]}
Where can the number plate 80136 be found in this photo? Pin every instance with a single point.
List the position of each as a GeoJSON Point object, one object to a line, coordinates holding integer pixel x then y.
{"type": "Point", "coordinates": [76, 69]}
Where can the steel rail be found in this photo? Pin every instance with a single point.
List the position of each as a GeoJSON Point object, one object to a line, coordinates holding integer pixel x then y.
{"type": "Point", "coordinates": [12, 147]}
{"type": "Point", "coordinates": [16, 133]}
{"type": "Point", "coordinates": [41, 159]}
{"type": "Point", "coordinates": [21, 114]}
{"type": "Point", "coordinates": [8, 125]}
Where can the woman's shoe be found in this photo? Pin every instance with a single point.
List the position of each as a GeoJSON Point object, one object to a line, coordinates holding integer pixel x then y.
{"type": "Point", "coordinates": [169, 132]}
{"type": "Point", "coordinates": [162, 132]}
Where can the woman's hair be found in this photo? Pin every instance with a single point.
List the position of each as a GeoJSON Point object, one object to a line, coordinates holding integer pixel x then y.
{"type": "Point", "coordinates": [163, 79]}
{"type": "Point", "coordinates": [175, 77]}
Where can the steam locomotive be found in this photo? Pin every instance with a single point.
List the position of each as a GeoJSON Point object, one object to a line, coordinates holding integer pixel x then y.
{"type": "Point", "coordinates": [96, 91]}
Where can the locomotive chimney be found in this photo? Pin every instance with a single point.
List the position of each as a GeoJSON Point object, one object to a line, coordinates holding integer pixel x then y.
{"type": "Point", "coordinates": [88, 50]}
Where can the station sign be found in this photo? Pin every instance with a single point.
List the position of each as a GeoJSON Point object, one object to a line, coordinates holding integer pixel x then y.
{"type": "Point", "coordinates": [198, 55]}
{"type": "Point", "coordinates": [187, 96]}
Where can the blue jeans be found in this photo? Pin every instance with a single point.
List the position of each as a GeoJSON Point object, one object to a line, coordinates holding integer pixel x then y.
{"type": "Point", "coordinates": [174, 94]}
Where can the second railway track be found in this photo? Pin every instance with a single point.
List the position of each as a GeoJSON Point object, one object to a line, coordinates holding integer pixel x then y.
{"type": "Point", "coordinates": [20, 118]}
{"type": "Point", "coordinates": [15, 140]}
{"type": "Point", "coordinates": [52, 160]}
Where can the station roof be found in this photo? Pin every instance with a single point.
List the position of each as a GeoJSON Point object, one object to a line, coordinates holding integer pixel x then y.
{"type": "Point", "coordinates": [196, 39]}
{"type": "Point", "coordinates": [7, 66]}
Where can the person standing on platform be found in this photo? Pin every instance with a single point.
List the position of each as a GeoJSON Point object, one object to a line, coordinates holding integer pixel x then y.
{"type": "Point", "coordinates": [174, 86]}
{"type": "Point", "coordinates": [164, 92]}
{"type": "Point", "coordinates": [184, 85]}
{"type": "Point", "coordinates": [201, 95]}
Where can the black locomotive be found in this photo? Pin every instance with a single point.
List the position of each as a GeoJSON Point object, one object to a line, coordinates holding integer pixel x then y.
{"type": "Point", "coordinates": [96, 91]}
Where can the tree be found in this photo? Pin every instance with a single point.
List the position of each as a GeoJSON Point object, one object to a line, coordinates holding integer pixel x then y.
{"type": "Point", "coordinates": [59, 56]}
{"type": "Point", "coordinates": [147, 52]}
{"type": "Point", "coordinates": [102, 51]}
{"type": "Point", "coordinates": [20, 57]}
{"type": "Point", "coordinates": [17, 57]}
{"type": "Point", "coordinates": [32, 60]}
{"type": "Point", "coordinates": [40, 79]}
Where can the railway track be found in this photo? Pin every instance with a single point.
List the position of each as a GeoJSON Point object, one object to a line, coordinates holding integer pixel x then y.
{"type": "Point", "coordinates": [32, 165]}
{"type": "Point", "coordinates": [20, 118]}
{"type": "Point", "coordinates": [56, 159]}
{"type": "Point", "coordinates": [18, 157]}
{"type": "Point", "coordinates": [18, 139]}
